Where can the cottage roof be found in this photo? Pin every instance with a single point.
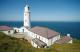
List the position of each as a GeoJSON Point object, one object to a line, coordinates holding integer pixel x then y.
{"type": "Point", "coordinates": [39, 42]}
{"type": "Point", "coordinates": [5, 28]}
{"type": "Point", "coordinates": [44, 32]}
{"type": "Point", "coordinates": [63, 40]}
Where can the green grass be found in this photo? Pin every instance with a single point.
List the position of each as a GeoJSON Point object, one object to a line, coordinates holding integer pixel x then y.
{"type": "Point", "coordinates": [11, 44]}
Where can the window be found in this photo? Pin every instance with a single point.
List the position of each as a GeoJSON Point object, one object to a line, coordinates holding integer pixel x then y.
{"type": "Point", "coordinates": [36, 36]}
{"type": "Point", "coordinates": [8, 31]}
{"type": "Point", "coordinates": [15, 31]}
{"type": "Point", "coordinates": [37, 46]}
{"type": "Point", "coordinates": [23, 30]}
{"type": "Point", "coordinates": [39, 37]}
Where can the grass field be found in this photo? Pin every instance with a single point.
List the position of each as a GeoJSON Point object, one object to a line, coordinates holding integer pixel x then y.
{"type": "Point", "coordinates": [10, 44]}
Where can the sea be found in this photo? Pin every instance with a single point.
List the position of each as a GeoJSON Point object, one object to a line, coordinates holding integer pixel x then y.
{"type": "Point", "coordinates": [63, 28]}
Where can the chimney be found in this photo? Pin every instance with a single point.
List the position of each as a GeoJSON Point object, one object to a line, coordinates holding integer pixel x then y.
{"type": "Point", "coordinates": [68, 35]}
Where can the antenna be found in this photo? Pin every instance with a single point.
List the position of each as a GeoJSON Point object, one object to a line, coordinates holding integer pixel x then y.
{"type": "Point", "coordinates": [27, 2]}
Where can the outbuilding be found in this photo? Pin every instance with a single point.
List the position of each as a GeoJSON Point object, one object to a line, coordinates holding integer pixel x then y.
{"type": "Point", "coordinates": [6, 29]}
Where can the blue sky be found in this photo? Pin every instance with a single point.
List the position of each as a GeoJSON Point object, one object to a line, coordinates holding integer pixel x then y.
{"type": "Point", "coordinates": [40, 10]}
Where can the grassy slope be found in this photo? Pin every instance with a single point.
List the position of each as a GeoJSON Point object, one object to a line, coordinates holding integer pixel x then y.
{"type": "Point", "coordinates": [10, 44]}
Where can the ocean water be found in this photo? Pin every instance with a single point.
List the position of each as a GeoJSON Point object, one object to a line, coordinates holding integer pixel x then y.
{"type": "Point", "coordinates": [64, 28]}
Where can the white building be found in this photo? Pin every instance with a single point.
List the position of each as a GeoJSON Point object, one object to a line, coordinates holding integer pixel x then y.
{"type": "Point", "coordinates": [43, 37]}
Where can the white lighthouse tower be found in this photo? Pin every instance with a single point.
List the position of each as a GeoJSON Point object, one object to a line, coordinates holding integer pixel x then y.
{"type": "Point", "coordinates": [26, 17]}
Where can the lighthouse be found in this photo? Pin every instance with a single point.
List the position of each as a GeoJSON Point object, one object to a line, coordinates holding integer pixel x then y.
{"type": "Point", "coordinates": [26, 16]}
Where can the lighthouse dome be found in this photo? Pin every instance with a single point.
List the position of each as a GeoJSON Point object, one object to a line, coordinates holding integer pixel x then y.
{"type": "Point", "coordinates": [26, 8]}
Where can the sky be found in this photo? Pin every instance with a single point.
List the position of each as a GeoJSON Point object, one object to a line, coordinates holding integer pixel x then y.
{"type": "Point", "coordinates": [41, 10]}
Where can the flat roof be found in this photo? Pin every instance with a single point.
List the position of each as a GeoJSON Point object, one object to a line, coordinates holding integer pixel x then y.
{"type": "Point", "coordinates": [63, 40]}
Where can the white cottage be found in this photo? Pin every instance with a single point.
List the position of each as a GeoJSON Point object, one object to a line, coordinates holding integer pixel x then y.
{"type": "Point", "coordinates": [42, 36]}
{"type": "Point", "coordinates": [6, 29]}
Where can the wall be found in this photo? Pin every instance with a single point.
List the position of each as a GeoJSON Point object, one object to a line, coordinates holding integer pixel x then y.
{"type": "Point", "coordinates": [33, 35]}
{"type": "Point", "coordinates": [34, 45]}
{"type": "Point", "coordinates": [7, 32]}
{"type": "Point", "coordinates": [70, 41]}
{"type": "Point", "coordinates": [21, 29]}
{"type": "Point", "coordinates": [52, 40]}
{"type": "Point", "coordinates": [16, 29]}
